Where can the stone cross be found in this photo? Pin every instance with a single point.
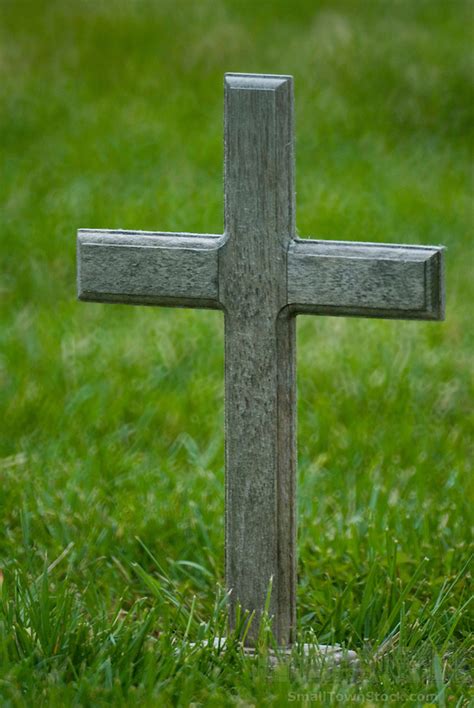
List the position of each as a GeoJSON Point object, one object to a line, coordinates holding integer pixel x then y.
{"type": "Point", "coordinates": [260, 275]}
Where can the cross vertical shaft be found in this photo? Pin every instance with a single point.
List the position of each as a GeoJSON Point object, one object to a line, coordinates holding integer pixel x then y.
{"type": "Point", "coordinates": [260, 389]}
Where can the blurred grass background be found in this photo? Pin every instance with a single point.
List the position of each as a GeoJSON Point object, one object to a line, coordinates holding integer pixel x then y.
{"type": "Point", "coordinates": [112, 416]}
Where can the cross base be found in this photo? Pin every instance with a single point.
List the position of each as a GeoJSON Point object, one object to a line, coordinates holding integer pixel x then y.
{"type": "Point", "coordinates": [332, 654]}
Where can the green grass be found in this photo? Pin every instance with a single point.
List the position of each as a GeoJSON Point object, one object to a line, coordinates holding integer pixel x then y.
{"type": "Point", "coordinates": [111, 452]}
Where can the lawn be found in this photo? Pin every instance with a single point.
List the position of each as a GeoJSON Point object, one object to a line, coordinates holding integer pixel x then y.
{"type": "Point", "coordinates": [111, 449]}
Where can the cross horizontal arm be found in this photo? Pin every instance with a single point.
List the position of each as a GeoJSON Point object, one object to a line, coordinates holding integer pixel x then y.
{"type": "Point", "coordinates": [366, 279]}
{"type": "Point", "coordinates": [148, 268]}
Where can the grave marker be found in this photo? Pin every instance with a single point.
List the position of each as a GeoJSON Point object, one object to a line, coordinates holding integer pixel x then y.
{"type": "Point", "coordinates": [261, 275]}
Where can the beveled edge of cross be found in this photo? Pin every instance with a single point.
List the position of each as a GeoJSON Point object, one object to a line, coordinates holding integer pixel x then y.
{"type": "Point", "coordinates": [259, 82]}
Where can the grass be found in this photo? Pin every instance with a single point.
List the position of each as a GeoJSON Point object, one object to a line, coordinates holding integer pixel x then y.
{"type": "Point", "coordinates": [111, 453]}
